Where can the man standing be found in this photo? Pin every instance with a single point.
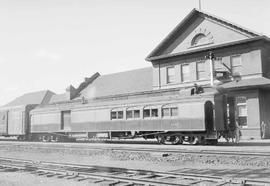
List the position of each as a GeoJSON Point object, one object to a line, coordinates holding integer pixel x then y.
{"type": "Point", "coordinates": [263, 130]}
{"type": "Point", "coordinates": [237, 132]}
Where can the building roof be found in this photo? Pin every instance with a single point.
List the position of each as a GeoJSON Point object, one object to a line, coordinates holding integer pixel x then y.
{"type": "Point", "coordinates": [183, 24]}
{"type": "Point", "coordinates": [246, 83]}
{"type": "Point", "coordinates": [58, 98]}
{"type": "Point", "coordinates": [209, 48]}
{"type": "Point", "coordinates": [39, 97]}
{"type": "Point", "coordinates": [133, 81]}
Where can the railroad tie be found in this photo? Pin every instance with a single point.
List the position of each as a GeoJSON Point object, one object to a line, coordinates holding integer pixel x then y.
{"type": "Point", "coordinates": [82, 178]}
{"type": "Point", "coordinates": [52, 174]}
{"type": "Point", "coordinates": [97, 180]}
{"type": "Point", "coordinates": [114, 183]}
{"type": "Point", "coordinates": [72, 176]}
{"type": "Point", "coordinates": [128, 184]}
{"type": "Point", "coordinates": [63, 176]}
{"type": "Point", "coordinates": [221, 183]}
{"type": "Point", "coordinates": [40, 173]}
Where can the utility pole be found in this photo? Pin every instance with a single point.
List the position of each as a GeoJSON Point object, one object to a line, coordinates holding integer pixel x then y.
{"type": "Point", "coordinates": [211, 58]}
{"type": "Point", "coordinates": [200, 5]}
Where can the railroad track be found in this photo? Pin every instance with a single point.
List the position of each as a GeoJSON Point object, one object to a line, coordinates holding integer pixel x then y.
{"type": "Point", "coordinates": [98, 175]}
{"type": "Point", "coordinates": [140, 149]}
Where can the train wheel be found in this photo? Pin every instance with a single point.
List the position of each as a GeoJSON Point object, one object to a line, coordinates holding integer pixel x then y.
{"type": "Point", "coordinates": [46, 139]}
{"type": "Point", "coordinates": [193, 140]}
{"type": "Point", "coordinates": [175, 140]}
{"type": "Point", "coordinates": [160, 139]}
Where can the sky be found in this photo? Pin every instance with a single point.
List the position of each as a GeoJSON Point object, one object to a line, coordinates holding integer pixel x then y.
{"type": "Point", "coordinates": [51, 44]}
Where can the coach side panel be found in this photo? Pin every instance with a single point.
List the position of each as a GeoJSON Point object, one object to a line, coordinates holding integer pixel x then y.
{"type": "Point", "coordinates": [189, 117]}
{"type": "Point", "coordinates": [45, 122]}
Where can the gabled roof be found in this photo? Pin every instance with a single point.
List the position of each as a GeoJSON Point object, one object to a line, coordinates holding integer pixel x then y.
{"type": "Point", "coordinates": [182, 25]}
{"type": "Point", "coordinates": [87, 82]}
{"type": "Point", "coordinates": [39, 97]}
{"type": "Point", "coordinates": [133, 81]}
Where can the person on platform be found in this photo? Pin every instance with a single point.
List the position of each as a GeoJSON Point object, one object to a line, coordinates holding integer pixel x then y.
{"type": "Point", "coordinates": [263, 130]}
{"type": "Point", "coordinates": [237, 132]}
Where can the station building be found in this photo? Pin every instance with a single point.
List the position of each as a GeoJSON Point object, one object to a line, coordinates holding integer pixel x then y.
{"type": "Point", "coordinates": [241, 65]}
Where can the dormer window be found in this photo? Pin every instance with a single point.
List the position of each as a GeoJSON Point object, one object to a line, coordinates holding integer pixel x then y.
{"type": "Point", "coordinates": [199, 39]}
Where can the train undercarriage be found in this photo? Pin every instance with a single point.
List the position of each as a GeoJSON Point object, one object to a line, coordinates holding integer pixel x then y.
{"type": "Point", "coordinates": [162, 137]}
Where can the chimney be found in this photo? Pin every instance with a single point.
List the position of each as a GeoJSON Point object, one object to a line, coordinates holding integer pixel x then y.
{"type": "Point", "coordinates": [70, 92]}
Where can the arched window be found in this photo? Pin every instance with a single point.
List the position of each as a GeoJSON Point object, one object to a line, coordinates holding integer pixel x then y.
{"type": "Point", "coordinates": [199, 39]}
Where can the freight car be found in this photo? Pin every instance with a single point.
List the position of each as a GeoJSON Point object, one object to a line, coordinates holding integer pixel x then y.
{"type": "Point", "coordinates": [14, 121]}
{"type": "Point", "coordinates": [170, 116]}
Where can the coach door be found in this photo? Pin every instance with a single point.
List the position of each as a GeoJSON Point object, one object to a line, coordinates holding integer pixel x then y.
{"type": "Point", "coordinates": [65, 120]}
{"type": "Point", "coordinates": [209, 116]}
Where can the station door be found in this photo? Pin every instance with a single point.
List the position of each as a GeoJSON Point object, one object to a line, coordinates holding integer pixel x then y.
{"type": "Point", "coordinates": [65, 120]}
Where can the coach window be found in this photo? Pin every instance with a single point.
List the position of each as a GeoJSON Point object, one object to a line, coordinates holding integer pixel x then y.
{"type": "Point", "coordinates": [165, 112]}
{"type": "Point", "coordinates": [133, 113]}
{"type": "Point", "coordinates": [136, 114]}
{"type": "Point", "coordinates": [169, 111]}
{"type": "Point", "coordinates": [146, 113]}
{"type": "Point", "coordinates": [149, 112]}
{"type": "Point", "coordinates": [154, 112]}
{"type": "Point", "coordinates": [129, 114]}
{"type": "Point", "coordinates": [117, 114]}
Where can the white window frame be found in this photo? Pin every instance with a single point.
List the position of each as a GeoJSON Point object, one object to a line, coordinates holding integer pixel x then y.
{"type": "Point", "coordinates": [242, 104]}
{"type": "Point", "coordinates": [239, 65]}
{"type": "Point", "coordinates": [197, 70]}
{"type": "Point", "coordinates": [182, 74]}
{"type": "Point", "coordinates": [170, 78]}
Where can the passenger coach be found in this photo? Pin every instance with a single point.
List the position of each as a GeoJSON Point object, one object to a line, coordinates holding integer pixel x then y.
{"type": "Point", "coordinates": [169, 116]}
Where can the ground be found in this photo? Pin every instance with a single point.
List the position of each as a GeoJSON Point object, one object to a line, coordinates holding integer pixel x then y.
{"type": "Point", "coordinates": [229, 166]}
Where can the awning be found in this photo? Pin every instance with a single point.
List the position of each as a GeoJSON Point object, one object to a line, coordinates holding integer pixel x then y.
{"type": "Point", "coordinates": [260, 82]}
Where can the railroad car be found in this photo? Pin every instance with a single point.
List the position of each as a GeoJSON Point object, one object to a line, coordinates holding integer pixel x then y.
{"type": "Point", "coordinates": [14, 121]}
{"type": "Point", "coordinates": [170, 116]}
